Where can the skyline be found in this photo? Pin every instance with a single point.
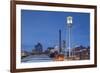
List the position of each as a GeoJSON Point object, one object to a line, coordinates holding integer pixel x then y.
{"type": "Point", "coordinates": [44, 26]}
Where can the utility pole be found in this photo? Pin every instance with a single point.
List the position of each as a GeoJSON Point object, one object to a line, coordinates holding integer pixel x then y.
{"type": "Point", "coordinates": [60, 49]}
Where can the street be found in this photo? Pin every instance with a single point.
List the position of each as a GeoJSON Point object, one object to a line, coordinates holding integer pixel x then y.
{"type": "Point", "coordinates": [36, 58]}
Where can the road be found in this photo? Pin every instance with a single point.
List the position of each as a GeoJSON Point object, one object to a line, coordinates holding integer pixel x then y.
{"type": "Point", "coordinates": [36, 58]}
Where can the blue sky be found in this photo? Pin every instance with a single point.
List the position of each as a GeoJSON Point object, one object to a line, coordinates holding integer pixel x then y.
{"type": "Point", "coordinates": [43, 27]}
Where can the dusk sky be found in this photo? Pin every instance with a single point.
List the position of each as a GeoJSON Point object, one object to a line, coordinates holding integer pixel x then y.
{"type": "Point", "coordinates": [43, 27]}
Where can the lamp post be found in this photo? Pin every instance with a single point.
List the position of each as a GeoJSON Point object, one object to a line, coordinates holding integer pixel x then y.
{"type": "Point", "coordinates": [69, 25]}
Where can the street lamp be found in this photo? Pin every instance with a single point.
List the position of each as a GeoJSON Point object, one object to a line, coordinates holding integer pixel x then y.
{"type": "Point", "coordinates": [69, 25]}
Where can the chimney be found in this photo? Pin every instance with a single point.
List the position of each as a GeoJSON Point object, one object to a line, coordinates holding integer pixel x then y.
{"type": "Point", "coordinates": [60, 41]}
